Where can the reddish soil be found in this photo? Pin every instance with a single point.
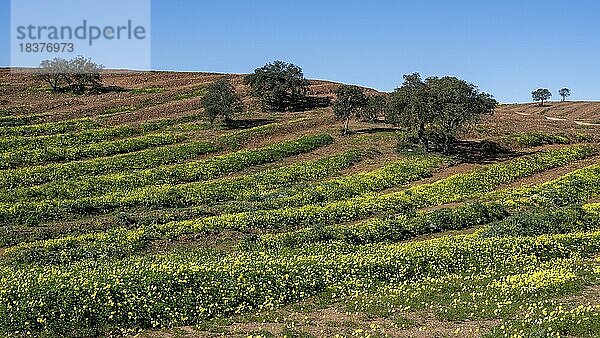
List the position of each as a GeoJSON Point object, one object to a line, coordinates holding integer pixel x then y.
{"type": "Point", "coordinates": [553, 117]}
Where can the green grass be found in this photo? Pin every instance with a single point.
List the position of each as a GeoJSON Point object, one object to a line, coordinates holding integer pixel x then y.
{"type": "Point", "coordinates": [41, 89]}
{"type": "Point", "coordinates": [151, 90]}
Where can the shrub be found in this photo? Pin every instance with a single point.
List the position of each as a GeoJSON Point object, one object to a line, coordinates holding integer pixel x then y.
{"type": "Point", "coordinates": [556, 221]}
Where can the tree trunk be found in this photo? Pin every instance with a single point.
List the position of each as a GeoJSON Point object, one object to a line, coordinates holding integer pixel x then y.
{"type": "Point", "coordinates": [346, 123]}
{"type": "Point", "coordinates": [446, 144]}
{"type": "Point", "coordinates": [422, 138]}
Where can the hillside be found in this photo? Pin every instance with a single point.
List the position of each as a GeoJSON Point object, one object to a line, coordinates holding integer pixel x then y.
{"type": "Point", "coordinates": [126, 214]}
{"type": "Point", "coordinates": [165, 94]}
{"type": "Point", "coordinates": [586, 112]}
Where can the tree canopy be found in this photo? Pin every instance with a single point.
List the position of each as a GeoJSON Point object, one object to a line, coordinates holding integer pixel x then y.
{"type": "Point", "coordinates": [408, 106]}
{"type": "Point", "coordinates": [221, 100]}
{"type": "Point", "coordinates": [564, 93]}
{"type": "Point", "coordinates": [455, 106]}
{"type": "Point", "coordinates": [374, 109]}
{"type": "Point", "coordinates": [78, 74]}
{"type": "Point", "coordinates": [278, 85]}
{"type": "Point", "coordinates": [350, 102]}
{"type": "Point", "coordinates": [541, 94]}
{"type": "Point", "coordinates": [437, 108]}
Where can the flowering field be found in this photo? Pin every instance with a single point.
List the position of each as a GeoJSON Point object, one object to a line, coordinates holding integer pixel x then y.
{"type": "Point", "coordinates": [282, 227]}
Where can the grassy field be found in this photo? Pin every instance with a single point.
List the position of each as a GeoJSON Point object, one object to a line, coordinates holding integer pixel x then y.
{"type": "Point", "coordinates": [125, 214]}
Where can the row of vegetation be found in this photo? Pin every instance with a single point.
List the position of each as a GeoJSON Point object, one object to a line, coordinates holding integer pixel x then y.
{"type": "Point", "coordinates": [34, 212]}
{"type": "Point", "coordinates": [89, 299]}
{"type": "Point", "coordinates": [574, 188]}
{"type": "Point", "coordinates": [11, 120]}
{"type": "Point", "coordinates": [122, 242]}
{"type": "Point", "coordinates": [13, 143]}
{"type": "Point", "coordinates": [22, 157]}
{"type": "Point", "coordinates": [54, 174]}
{"type": "Point", "coordinates": [49, 128]}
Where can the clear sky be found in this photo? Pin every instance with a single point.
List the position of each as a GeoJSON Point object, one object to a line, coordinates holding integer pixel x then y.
{"type": "Point", "coordinates": [507, 48]}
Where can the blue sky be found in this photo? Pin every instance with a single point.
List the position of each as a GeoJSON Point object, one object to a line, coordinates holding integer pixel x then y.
{"type": "Point", "coordinates": [507, 48]}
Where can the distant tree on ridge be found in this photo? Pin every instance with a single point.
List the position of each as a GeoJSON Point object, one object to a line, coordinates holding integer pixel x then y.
{"type": "Point", "coordinates": [541, 94]}
{"type": "Point", "coordinates": [564, 93]}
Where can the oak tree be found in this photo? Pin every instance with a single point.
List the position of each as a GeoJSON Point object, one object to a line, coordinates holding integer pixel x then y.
{"type": "Point", "coordinates": [408, 106]}
{"type": "Point", "coordinates": [278, 85]}
{"type": "Point", "coordinates": [564, 93]}
{"type": "Point", "coordinates": [350, 102]}
{"type": "Point", "coordinates": [221, 100]}
{"type": "Point", "coordinates": [541, 94]}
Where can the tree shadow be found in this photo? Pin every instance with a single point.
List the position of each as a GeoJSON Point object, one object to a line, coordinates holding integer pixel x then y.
{"type": "Point", "coordinates": [481, 152]}
{"type": "Point", "coordinates": [109, 89]}
{"type": "Point", "coordinates": [305, 103]}
{"type": "Point", "coordinates": [79, 90]}
{"type": "Point", "coordinates": [375, 130]}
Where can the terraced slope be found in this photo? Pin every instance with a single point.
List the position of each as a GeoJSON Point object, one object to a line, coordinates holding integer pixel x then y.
{"type": "Point", "coordinates": [126, 214]}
